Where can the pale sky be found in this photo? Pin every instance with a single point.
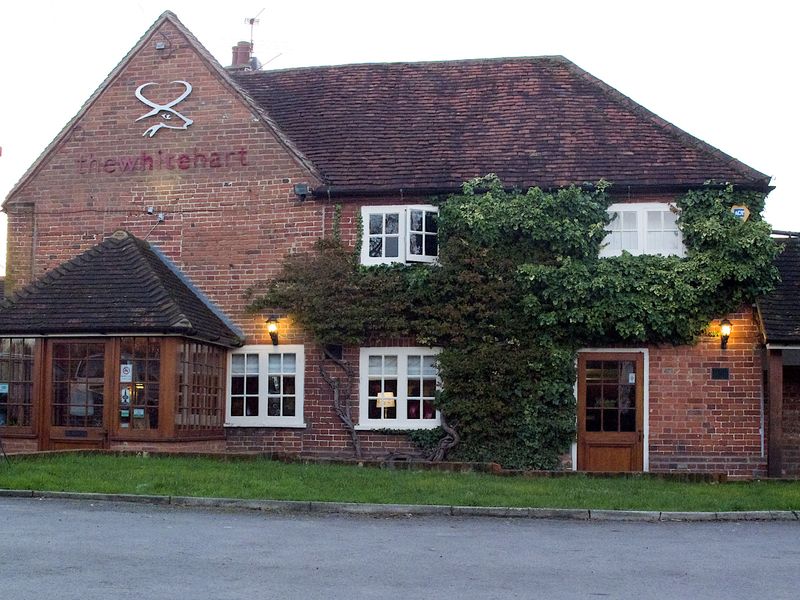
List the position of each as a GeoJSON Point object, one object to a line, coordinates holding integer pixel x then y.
{"type": "Point", "coordinates": [725, 71]}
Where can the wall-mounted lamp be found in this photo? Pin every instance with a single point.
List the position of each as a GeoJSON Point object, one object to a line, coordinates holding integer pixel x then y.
{"type": "Point", "coordinates": [724, 332]}
{"type": "Point", "coordinates": [302, 191]}
{"type": "Point", "coordinates": [272, 329]}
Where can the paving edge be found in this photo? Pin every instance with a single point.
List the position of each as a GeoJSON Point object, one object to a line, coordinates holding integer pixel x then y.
{"type": "Point", "coordinates": [407, 510]}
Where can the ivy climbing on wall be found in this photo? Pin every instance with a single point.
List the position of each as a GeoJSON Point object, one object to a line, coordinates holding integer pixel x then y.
{"type": "Point", "coordinates": [519, 288]}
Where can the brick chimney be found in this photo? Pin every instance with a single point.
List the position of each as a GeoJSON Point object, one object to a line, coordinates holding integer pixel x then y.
{"type": "Point", "coordinates": [241, 55]}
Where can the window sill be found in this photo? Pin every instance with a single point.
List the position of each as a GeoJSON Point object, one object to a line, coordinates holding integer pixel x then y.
{"type": "Point", "coordinates": [270, 424]}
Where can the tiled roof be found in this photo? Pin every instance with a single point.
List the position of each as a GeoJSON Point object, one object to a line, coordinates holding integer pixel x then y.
{"type": "Point", "coordinates": [780, 311]}
{"type": "Point", "coordinates": [429, 126]}
{"type": "Point", "coordinates": [122, 285]}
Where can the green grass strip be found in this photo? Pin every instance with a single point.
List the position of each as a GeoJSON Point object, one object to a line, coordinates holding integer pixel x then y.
{"type": "Point", "coordinates": [265, 479]}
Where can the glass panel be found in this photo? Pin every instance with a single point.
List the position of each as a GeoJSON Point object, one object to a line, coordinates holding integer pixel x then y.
{"type": "Point", "coordinates": [431, 222]}
{"type": "Point", "coordinates": [390, 385]}
{"type": "Point", "coordinates": [627, 420]}
{"type": "Point", "coordinates": [412, 409]}
{"type": "Point", "coordinates": [610, 395]}
{"type": "Point", "coordinates": [592, 420]}
{"type": "Point", "coordinates": [376, 224]}
{"type": "Point", "coordinates": [415, 220]}
{"type": "Point", "coordinates": [431, 245]}
{"type": "Point", "coordinates": [414, 388]}
{"type": "Point", "coordinates": [289, 363]}
{"type": "Point", "coordinates": [252, 406]}
{"type": "Point", "coordinates": [288, 385]}
{"type": "Point", "coordinates": [390, 365]}
{"type": "Point", "coordinates": [274, 406]}
{"type": "Point", "coordinates": [594, 370]}
{"type": "Point", "coordinates": [429, 365]}
{"type": "Point", "coordinates": [630, 240]}
{"type": "Point", "coordinates": [237, 407]}
{"type": "Point", "coordinates": [429, 387]}
{"type": "Point", "coordinates": [376, 247]}
{"type": "Point", "coordinates": [392, 247]}
{"type": "Point", "coordinates": [414, 366]}
{"type": "Point", "coordinates": [252, 363]}
{"type": "Point", "coordinates": [375, 365]}
{"type": "Point", "coordinates": [288, 406]}
{"type": "Point", "coordinates": [372, 409]}
{"type": "Point", "coordinates": [610, 420]}
{"type": "Point", "coordinates": [274, 363]}
{"type": "Point", "coordinates": [374, 387]}
{"type": "Point", "coordinates": [415, 243]}
{"type": "Point", "coordinates": [274, 385]}
{"type": "Point", "coordinates": [629, 220]}
{"type": "Point", "coordinates": [654, 220]}
{"type": "Point", "coordinates": [237, 385]}
{"type": "Point", "coordinates": [593, 395]}
{"type": "Point", "coordinates": [390, 413]}
{"type": "Point", "coordinates": [428, 410]}
{"type": "Point", "coordinates": [252, 384]}
{"type": "Point", "coordinates": [392, 223]}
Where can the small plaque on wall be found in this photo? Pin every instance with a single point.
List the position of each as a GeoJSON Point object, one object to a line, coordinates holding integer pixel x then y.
{"type": "Point", "coordinates": [720, 373]}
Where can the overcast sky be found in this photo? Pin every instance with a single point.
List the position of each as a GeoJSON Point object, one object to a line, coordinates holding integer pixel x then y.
{"type": "Point", "coordinates": [725, 72]}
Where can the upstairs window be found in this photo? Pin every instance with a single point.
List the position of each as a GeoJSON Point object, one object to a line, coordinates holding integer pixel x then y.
{"type": "Point", "coordinates": [399, 234]}
{"type": "Point", "coordinates": [645, 228]}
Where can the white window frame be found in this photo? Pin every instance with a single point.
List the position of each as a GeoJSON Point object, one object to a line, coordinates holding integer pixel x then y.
{"type": "Point", "coordinates": [404, 226]}
{"type": "Point", "coordinates": [263, 420]}
{"type": "Point", "coordinates": [641, 209]}
{"type": "Point", "coordinates": [402, 421]}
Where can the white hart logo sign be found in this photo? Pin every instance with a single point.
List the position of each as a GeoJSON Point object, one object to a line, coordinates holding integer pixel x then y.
{"type": "Point", "coordinates": [166, 110]}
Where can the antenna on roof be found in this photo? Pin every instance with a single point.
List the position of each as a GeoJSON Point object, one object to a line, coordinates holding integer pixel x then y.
{"type": "Point", "coordinates": [253, 21]}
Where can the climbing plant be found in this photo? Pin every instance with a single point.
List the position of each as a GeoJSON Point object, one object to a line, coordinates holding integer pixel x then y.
{"type": "Point", "coordinates": [518, 289]}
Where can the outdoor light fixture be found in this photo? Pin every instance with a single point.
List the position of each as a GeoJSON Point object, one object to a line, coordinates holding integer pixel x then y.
{"type": "Point", "coordinates": [272, 329]}
{"type": "Point", "coordinates": [724, 332]}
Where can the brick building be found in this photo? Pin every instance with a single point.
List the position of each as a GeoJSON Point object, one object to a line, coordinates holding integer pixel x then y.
{"type": "Point", "coordinates": [179, 184]}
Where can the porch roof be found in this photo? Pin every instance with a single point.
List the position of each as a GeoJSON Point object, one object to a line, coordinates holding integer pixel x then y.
{"type": "Point", "coordinates": [122, 285]}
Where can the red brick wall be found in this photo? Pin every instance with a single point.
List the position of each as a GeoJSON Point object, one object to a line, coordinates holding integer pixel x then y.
{"type": "Point", "coordinates": [699, 424]}
{"type": "Point", "coordinates": [187, 446]}
{"type": "Point", "coordinates": [25, 445]}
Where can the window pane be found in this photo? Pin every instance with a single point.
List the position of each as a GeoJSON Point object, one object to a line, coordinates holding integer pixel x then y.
{"type": "Point", "coordinates": [428, 410]}
{"type": "Point", "coordinates": [429, 388]}
{"type": "Point", "coordinates": [274, 384]}
{"type": "Point", "coordinates": [289, 363]}
{"type": "Point", "coordinates": [390, 365]}
{"type": "Point", "coordinates": [630, 240]}
{"type": "Point", "coordinates": [429, 365]}
{"type": "Point", "coordinates": [252, 406]}
{"type": "Point", "coordinates": [376, 247]}
{"type": "Point", "coordinates": [237, 385]}
{"type": "Point", "coordinates": [376, 223]}
{"type": "Point", "coordinates": [374, 387]}
{"type": "Point", "coordinates": [252, 363]}
{"type": "Point", "coordinates": [375, 365]}
{"type": "Point", "coordinates": [629, 220]}
{"type": "Point", "coordinates": [431, 245]}
{"type": "Point", "coordinates": [274, 407]}
{"type": "Point", "coordinates": [390, 385]}
{"type": "Point", "coordinates": [392, 247]}
{"type": "Point", "coordinates": [392, 223]}
{"type": "Point", "coordinates": [414, 365]}
{"type": "Point", "coordinates": [415, 220]}
{"type": "Point", "coordinates": [237, 407]}
{"type": "Point", "coordinates": [288, 385]}
{"type": "Point", "coordinates": [431, 222]}
{"type": "Point", "coordinates": [592, 420]}
{"type": "Point", "coordinates": [415, 243]}
{"type": "Point", "coordinates": [274, 363]}
{"type": "Point", "coordinates": [288, 406]}
{"type": "Point", "coordinates": [610, 420]}
{"type": "Point", "coordinates": [627, 420]}
{"type": "Point", "coordinates": [654, 220]}
{"type": "Point", "coordinates": [593, 395]}
{"type": "Point", "coordinates": [413, 409]}
{"type": "Point", "coordinates": [372, 409]}
{"type": "Point", "coordinates": [414, 388]}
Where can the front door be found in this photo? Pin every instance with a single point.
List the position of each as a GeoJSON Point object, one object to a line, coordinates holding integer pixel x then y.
{"type": "Point", "coordinates": [77, 391]}
{"type": "Point", "coordinates": [610, 411]}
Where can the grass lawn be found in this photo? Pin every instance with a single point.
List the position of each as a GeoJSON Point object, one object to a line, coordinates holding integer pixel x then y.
{"type": "Point", "coordinates": [264, 479]}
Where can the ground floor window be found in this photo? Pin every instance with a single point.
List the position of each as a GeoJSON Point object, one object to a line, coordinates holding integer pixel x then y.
{"type": "Point", "coordinates": [16, 382]}
{"type": "Point", "coordinates": [201, 387]}
{"type": "Point", "coordinates": [139, 382]}
{"type": "Point", "coordinates": [79, 378]}
{"type": "Point", "coordinates": [265, 386]}
{"type": "Point", "coordinates": [398, 388]}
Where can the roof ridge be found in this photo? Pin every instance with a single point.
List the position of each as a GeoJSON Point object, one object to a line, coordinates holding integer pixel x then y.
{"type": "Point", "coordinates": [668, 127]}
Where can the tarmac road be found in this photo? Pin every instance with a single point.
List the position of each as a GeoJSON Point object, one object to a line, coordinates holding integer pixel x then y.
{"type": "Point", "coordinates": [64, 549]}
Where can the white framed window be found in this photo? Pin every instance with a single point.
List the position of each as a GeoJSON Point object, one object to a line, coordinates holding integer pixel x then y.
{"type": "Point", "coordinates": [397, 388]}
{"type": "Point", "coordinates": [643, 228]}
{"type": "Point", "coordinates": [399, 234]}
{"type": "Point", "coordinates": [265, 386]}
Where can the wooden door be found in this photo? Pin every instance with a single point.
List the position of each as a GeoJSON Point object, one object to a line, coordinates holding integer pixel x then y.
{"type": "Point", "coordinates": [77, 387]}
{"type": "Point", "coordinates": [610, 411]}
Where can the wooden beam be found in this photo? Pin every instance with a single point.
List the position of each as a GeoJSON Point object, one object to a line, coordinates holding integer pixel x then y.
{"type": "Point", "coordinates": [775, 450]}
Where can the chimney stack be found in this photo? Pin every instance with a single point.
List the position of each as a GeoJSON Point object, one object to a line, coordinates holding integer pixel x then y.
{"type": "Point", "coordinates": [241, 55]}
